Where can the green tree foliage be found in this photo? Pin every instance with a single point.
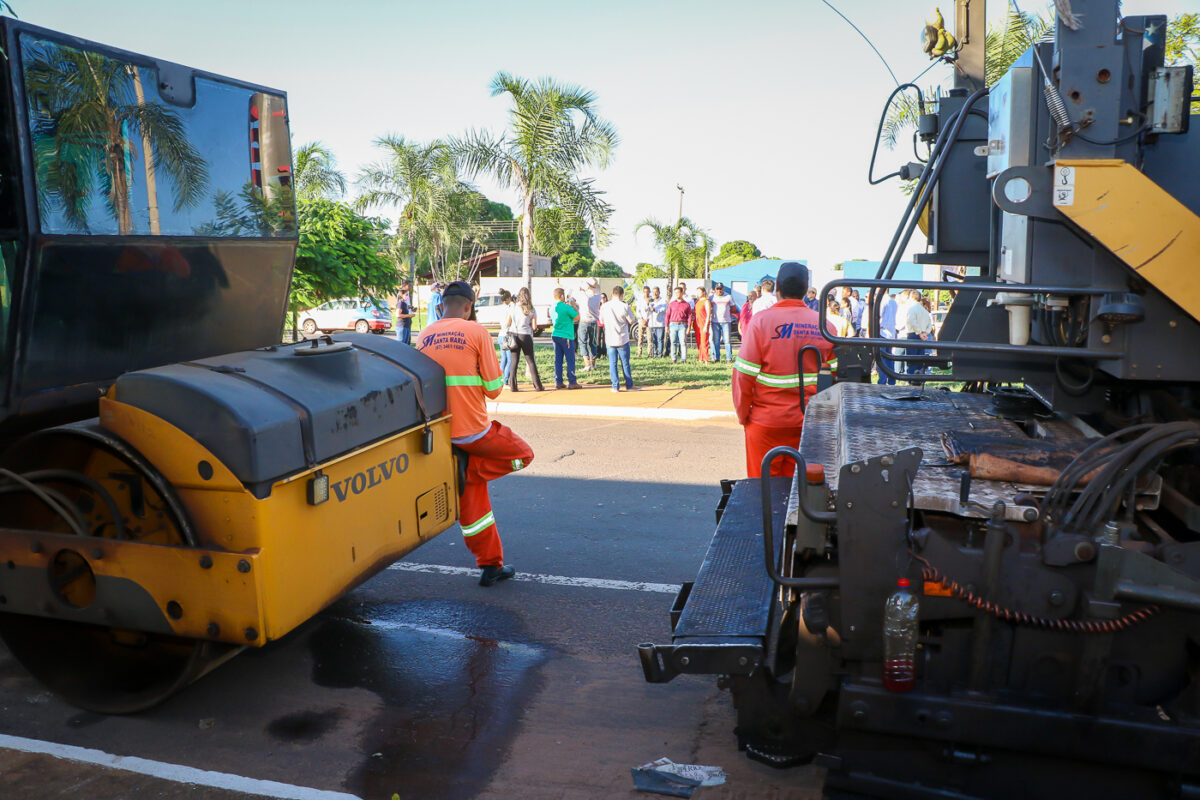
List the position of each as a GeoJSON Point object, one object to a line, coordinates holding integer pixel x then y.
{"type": "Point", "coordinates": [559, 232]}
{"type": "Point", "coordinates": [574, 264]}
{"type": "Point", "coordinates": [606, 269]}
{"type": "Point", "coordinates": [437, 209]}
{"type": "Point", "coordinates": [554, 132]}
{"type": "Point", "coordinates": [1002, 48]}
{"type": "Point", "coordinates": [677, 242]}
{"type": "Point", "coordinates": [338, 255]}
{"type": "Point", "coordinates": [696, 258]}
{"type": "Point", "coordinates": [736, 252]}
{"type": "Point", "coordinates": [644, 271]}
{"type": "Point", "coordinates": [250, 213]}
{"type": "Point", "coordinates": [316, 173]}
{"type": "Point", "coordinates": [1183, 45]}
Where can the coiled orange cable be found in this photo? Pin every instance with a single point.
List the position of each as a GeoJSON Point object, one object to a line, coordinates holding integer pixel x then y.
{"type": "Point", "coordinates": [931, 573]}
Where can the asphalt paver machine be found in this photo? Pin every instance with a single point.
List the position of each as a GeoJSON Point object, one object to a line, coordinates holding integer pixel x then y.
{"type": "Point", "coordinates": [175, 484]}
{"type": "Point", "coordinates": [1044, 511]}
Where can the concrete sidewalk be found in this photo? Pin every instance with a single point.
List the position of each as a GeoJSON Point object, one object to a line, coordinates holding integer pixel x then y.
{"type": "Point", "coordinates": [600, 401]}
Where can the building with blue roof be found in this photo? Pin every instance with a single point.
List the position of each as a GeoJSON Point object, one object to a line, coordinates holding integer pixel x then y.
{"type": "Point", "coordinates": [740, 278]}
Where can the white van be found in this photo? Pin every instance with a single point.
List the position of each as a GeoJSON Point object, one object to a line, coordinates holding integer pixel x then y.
{"type": "Point", "coordinates": [489, 312]}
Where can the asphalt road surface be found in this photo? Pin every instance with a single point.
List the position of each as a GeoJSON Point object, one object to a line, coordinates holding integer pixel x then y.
{"type": "Point", "coordinates": [424, 685]}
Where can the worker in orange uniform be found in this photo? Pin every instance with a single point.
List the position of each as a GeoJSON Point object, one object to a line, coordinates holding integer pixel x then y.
{"type": "Point", "coordinates": [766, 380]}
{"type": "Point", "coordinates": [464, 350]}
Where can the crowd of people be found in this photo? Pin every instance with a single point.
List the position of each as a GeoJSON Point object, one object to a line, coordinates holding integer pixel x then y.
{"type": "Point", "coordinates": [589, 325]}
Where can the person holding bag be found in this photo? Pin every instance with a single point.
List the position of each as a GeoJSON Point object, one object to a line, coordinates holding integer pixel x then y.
{"type": "Point", "coordinates": [502, 338]}
{"type": "Point", "coordinates": [521, 318]}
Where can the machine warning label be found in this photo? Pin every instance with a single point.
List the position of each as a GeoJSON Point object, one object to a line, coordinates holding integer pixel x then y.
{"type": "Point", "coordinates": [1064, 186]}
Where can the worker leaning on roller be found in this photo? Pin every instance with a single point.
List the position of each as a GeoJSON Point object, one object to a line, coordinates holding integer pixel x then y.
{"type": "Point", "coordinates": [464, 350]}
{"type": "Point", "coordinates": [766, 383]}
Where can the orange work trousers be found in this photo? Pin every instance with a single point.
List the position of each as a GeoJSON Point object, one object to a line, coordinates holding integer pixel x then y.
{"type": "Point", "coordinates": [494, 455]}
{"type": "Point", "coordinates": [760, 439]}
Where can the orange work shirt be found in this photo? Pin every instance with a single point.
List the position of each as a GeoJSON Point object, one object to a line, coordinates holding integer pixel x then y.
{"type": "Point", "coordinates": [766, 379]}
{"type": "Point", "coordinates": [464, 350]}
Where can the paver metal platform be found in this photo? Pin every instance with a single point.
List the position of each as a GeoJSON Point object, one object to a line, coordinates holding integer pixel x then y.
{"type": "Point", "coordinates": [854, 421]}
{"type": "Point", "coordinates": [732, 595]}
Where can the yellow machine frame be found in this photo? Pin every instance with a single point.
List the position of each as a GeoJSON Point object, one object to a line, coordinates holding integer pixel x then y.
{"type": "Point", "coordinates": [263, 566]}
{"type": "Point", "coordinates": [1140, 222]}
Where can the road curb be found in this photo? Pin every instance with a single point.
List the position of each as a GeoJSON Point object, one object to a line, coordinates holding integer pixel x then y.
{"type": "Point", "coordinates": [609, 412]}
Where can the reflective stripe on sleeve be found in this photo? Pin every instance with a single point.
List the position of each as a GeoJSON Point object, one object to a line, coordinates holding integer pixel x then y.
{"type": "Point", "coordinates": [474, 380]}
{"type": "Point", "coordinates": [786, 381]}
{"type": "Point", "coordinates": [479, 524]}
{"type": "Point", "coordinates": [748, 367]}
{"type": "Point", "coordinates": [779, 381]}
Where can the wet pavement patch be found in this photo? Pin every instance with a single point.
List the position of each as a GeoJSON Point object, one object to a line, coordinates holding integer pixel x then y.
{"type": "Point", "coordinates": [453, 683]}
{"type": "Point", "coordinates": [304, 726]}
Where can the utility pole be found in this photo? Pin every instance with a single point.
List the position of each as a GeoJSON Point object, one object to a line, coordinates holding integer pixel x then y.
{"type": "Point", "coordinates": [672, 267]}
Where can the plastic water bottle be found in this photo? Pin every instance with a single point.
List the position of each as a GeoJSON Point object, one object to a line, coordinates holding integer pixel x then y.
{"type": "Point", "coordinates": [900, 639]}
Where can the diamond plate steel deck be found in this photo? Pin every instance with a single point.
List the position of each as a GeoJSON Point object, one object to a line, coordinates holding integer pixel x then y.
{"type": "Point", "coordinates": [732, 595]}
{"type": "Point", "coordinates": [855, 421]}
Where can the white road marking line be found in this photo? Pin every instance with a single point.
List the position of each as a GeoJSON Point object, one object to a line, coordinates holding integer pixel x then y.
{"type": "Point", "coordinates": [557, 580]}
{"type": "Point", "coordinates": [171, 772]}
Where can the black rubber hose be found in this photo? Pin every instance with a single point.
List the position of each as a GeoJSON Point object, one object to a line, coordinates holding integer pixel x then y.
{"type": "Point", "coordinates": [78, 478]}
{"type": "Point", "coordinates": [943, 156]}
{"type": "Point", "coordinates": [879, 131]}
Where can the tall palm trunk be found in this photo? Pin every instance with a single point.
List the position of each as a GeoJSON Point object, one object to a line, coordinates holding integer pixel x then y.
{"type": "Point", "coordinates": [147, 158]}
{"type": "Point", "coordinates": [119, 189]}
{"type": "Point", "coordinates": [527, 242]}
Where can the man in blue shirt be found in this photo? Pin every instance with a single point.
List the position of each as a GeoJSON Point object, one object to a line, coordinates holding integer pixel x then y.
{"type": "Point", "coordinates": [811, 301]}
{"type": "Point", "coordinates": [887, 329]}
{"type": "Point", "coordinates": [435, 304]}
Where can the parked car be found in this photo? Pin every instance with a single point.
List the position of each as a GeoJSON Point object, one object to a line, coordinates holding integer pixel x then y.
{"type": "Point", "coordinates": [489, 312]}
{"type": "Point", "coordinates": [359, 314]}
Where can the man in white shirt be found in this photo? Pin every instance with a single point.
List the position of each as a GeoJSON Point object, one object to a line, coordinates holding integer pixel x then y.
{"type": "Point", "coordinates": [617, 318]}
{"type": "Point", "coordinates": [766, 297]}
{"type": "Point", "coordinates": [658, 325]}
{"type": "Point", "coordinates": [644, 311]}
{"type": "Point", "coordinates": [920, 327]}
{"type": "Point", "coordinates": [588, 299]}
{"type": "Point", "coordinates": [721, 321]}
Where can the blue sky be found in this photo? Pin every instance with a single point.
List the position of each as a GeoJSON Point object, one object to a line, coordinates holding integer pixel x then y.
{"type": "Point", "coordinates": [764, 111]}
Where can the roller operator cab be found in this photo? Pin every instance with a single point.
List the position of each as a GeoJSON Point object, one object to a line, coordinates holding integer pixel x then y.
{"type": "Point", "coordinates": [175, 484]}
{"type": "Point", "coordinates": [1043, 516]}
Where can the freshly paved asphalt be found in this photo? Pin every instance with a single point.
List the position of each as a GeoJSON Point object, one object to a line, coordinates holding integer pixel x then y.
{"type": "Point", "coordinates": [426, 685]}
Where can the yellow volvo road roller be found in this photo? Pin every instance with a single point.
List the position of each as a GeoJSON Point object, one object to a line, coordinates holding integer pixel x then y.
{"type": "Point", "coordinates": [175, 484]}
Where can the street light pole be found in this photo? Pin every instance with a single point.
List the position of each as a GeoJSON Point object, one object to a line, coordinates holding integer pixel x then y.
{"type": "Point", "coordinates": [672, 267]}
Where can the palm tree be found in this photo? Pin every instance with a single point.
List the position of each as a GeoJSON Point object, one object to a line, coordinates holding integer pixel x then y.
{"type": "Point", "coordinates": [316, 174]}
{"type": "Point", "coordinates": [436, 207]}
{"type": "Point", "coordinates": [86, 109]}
{"type": "Point", "coordinates": [677, 242]}
{"type": "Point", "coordinates": [410, 177]}
{"type": "Point", "coordinates": [554, 132]}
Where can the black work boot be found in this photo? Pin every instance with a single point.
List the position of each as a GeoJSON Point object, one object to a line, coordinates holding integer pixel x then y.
{"type": "Point", "coordinates": [493, 573]}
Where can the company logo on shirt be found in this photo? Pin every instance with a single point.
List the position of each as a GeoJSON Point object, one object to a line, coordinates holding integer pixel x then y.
{"type": "Point", "coordinates": [793, 330]}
